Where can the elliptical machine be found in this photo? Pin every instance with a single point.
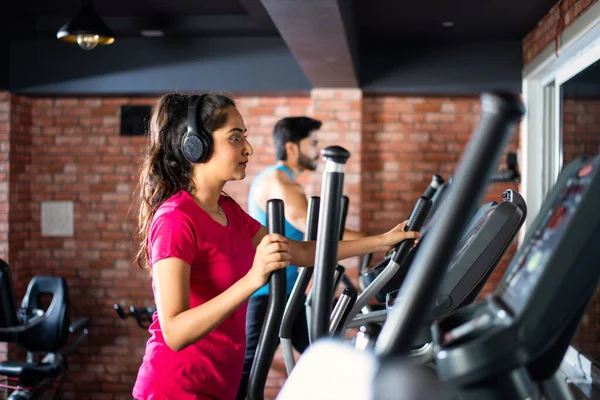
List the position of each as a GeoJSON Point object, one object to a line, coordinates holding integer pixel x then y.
{"type": "Point", "coordinates": [386, 373]}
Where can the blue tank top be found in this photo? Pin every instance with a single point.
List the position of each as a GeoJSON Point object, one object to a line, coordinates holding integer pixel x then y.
{"type": "Point", "coordinates": [290, 231]}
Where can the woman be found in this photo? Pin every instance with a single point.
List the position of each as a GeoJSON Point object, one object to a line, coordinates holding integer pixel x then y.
{"type": "Point", "coordinates": [205, 254]}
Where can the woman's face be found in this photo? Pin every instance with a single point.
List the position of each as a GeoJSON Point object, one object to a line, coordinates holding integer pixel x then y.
{"type": "Point", "coordinates": [231, 149]}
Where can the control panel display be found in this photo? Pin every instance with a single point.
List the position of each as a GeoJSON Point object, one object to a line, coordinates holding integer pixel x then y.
{"type": "Point", "coordinates": [525, 271]}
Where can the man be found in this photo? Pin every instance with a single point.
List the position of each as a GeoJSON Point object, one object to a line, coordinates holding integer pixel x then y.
{"type": "Point", "coordinates": [296, 150]}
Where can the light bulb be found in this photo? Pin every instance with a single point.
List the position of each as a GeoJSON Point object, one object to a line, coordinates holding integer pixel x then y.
{"type": "Point", "coordinates": [87, 42]}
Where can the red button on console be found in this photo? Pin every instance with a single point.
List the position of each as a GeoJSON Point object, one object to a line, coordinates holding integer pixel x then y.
{"type": "Point", "coordinates": [585, 170]}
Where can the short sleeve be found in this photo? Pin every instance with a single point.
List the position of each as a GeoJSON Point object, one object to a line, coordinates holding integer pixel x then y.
{"type": "Point", "coordinates": [172, 235]}
{"type": "Point", "coordinates": [252, 225]}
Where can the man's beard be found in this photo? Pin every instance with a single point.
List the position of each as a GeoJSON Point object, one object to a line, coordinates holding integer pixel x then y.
{"type": "Point", "coordinates": [306, 162]}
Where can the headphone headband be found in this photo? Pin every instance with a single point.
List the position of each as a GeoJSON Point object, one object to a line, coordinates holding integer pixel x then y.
{"type": "Point", "coordinates": [193, 104]}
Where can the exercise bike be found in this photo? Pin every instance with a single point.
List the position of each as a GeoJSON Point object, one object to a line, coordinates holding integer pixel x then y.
{"type": "Point", "coordinates": [45, 333]}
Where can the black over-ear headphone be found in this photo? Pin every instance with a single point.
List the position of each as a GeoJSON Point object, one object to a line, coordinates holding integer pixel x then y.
{"type": "Point", "coordinates": [196, 144]}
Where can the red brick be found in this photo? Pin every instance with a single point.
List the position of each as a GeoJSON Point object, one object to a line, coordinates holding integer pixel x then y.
{"type": "Point", "coordinates": [65, 103]}
{"type": "Point", "coordinates": [545, 31]}
{"type": "Point", "coordinates": [104, 111]}
{"type": "Point", "coordinates": [427, 107]}
{"type": "Point", "coordinates": [261, 111]}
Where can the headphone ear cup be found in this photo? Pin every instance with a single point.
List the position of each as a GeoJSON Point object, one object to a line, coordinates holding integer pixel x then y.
{"type": "Point", "coordinates": [196, 148]}
{"type": "Point", "coordinates": [196, 144]}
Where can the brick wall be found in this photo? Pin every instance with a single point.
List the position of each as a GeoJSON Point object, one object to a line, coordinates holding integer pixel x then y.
{"type": "Point", "coordinates": [80, 157]}
{"type": "Point", "coordinates": [70, 149]}
{"type": "Point", "coordinates": [545, 32]}
{"type": "Point", "coordinates": [405, 142]}
{"type": "Point", "coordinates": [15, 193]}
{"type": "Point", "coordinates": [580, 130]}
{"type": "Point", "coordinates": [19, 217]}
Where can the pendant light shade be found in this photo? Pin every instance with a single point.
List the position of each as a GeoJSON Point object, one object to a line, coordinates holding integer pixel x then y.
{"type": "Point", "coordinates": [87, 29]}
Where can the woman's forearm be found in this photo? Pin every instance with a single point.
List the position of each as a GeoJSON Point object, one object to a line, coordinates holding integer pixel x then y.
{"type": "Point", "coordinates": [303, 253]}
{"type": "Point", "coordinates": [358, 247]}
{"type": "Point", "coordinates": [192, 325]}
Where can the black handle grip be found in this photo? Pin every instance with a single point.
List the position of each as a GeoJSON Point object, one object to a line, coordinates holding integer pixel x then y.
{"type": "Point", "coordinates": [339, 270]}
{"type": "Point", "coordinates": [275, 217]}
{"type": "Point", "coordinates": [305, 275]}
{"type": "Point", "coordinates": [415, 222]}
{"type": "Point", "coordinates": [312, 228]}
{"type": "Point", "coordinates": [327, 240]}
{"type": "Point", "coordinates": [436, 182]}
{"type": "Point", "coordinates": [336, 153]}
{"type": "Point", "coordinates": [268, 341]}
{"type": "Point", "coordinates": [343, 215]}
{"type": "Point", "coordinates": [312, 222]}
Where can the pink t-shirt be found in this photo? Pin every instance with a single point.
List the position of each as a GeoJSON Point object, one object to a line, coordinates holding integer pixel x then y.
{"type": "Point", "coordinates": [219, 256]}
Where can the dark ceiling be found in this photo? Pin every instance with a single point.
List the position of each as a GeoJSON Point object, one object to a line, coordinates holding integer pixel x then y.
{"type": "Point", "coordinates": [375, 19]}
{"type": "Point", "coordinates": [116, 8]}
{"type": "Point", "coordinates": [328, 38]}
{"type": "Point", "coordinates": [42, 18]}
{"type": "Point", "coordinates": [472, 19]}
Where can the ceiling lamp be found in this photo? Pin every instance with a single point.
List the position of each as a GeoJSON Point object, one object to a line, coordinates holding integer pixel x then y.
{"type": "Point", "coordinates": [86, 29]}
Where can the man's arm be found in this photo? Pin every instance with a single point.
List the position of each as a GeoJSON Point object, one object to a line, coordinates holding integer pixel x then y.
{"type": "Point", "coordinates": [278, 185]}
{"type": "Point", "coordinates": [296, 209]}
{"type": "Point", "coordinates": [295, 203]}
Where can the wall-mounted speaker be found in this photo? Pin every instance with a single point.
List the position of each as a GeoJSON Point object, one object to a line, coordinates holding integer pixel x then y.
{"type": "Point", "coordinates": [135, 120]}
